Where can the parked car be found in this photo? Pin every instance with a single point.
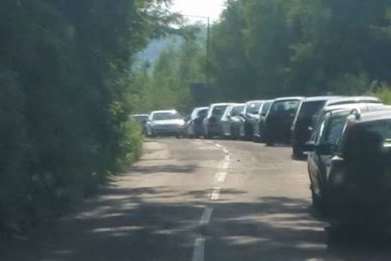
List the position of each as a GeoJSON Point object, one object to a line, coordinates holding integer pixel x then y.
{"type": "Point", "coordinates": [251, 116]}
{"type": "Point", "coordinates": [194, 127]}
{"type": "Point", "coordinates": [260, 125]}
{"type": "Point", "coordinates": [328, 143]}
{"type": "Point", "coordinates": [305, 118]}
{"type": "Point", "coordinates": [309, 111]}
{"type": "Point", "coordinates": [168, 122]}
{"type": "Point", "coordinates": [232, 121]}
{"type": "Point", "coordinates": [279, 120]}
{"type": "Point", "coordinates": [212, 122]}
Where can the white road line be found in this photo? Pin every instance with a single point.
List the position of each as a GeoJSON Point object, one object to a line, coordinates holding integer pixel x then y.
{"type": "Point", "coordinates": [206, 216]}
{"type": "Point", "coordinates": [199, 249]}
{"type": "Point", "coordinates": [220, 176]}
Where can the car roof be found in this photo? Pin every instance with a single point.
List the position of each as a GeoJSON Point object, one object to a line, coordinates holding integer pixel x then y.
{"type": "Point", "coordinates": [255, 101]}
{"type": "Point", "coordinates": [384, 114]}
{"type": "Point", "coordinates": [164, 111]}
{"type": "Point", "coordinates": [321, 98]}
{"type": "Point", "coordinates": [352, 106]}
{"type": "Point", "coordinates": [200, 108]}
{"type": "Point", "coordinates": [354, 99]}
{"type": "Point", "coordinates": [289, 98]}
{"type": "Point", "coordinates": [140, 115]}
{"type": "Point", "coordinates": [222, 104]}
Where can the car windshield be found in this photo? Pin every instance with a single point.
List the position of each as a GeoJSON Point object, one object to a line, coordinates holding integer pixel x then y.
{"type": "Point", "coordinates": [310, 109]}
{"type": "Point", "coordinates": [253, 108]}
{"type": "Point", "coordinates": [285, 106]}
{"type": "Point", "coordinates": [160, 116]}
{"type": "Point", "coordinates": [218, 111]}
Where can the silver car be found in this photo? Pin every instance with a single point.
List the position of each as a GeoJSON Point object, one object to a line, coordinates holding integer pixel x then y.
{"type": "Point", "coordinates": [232, 121]}
{"type": "Point", "coordinates": [168, 122]}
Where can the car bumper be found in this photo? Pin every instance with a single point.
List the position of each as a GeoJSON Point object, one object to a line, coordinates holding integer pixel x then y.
{"type": "Point", "coordinates": [167, 130]}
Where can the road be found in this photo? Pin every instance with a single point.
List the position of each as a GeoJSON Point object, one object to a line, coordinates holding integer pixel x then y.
{"type": "Point", "coordinates": [195, 200]}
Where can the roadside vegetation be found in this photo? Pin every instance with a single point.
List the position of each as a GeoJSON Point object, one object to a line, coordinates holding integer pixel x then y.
{"type": "Point", "coordinates": [272, 48]}
{"type": "Point", "coordinates": [66, 96]}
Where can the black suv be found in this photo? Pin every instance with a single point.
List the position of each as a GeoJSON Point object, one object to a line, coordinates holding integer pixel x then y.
{"type": "Point", "coordinates": [309, 111]}
{"type": "Point", "coordinates": [349, 163]}
{"type": "Point", "coordinates": [279, 120]}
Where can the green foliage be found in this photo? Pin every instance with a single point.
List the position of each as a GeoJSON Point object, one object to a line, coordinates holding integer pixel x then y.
{"type": "Point", "coordinates": [65, 99]}
{"type": "Point", "coordinates": [269, 48]}
{"type": "Point", "coordinates": [384, 93]}
{"type": "Point", "coordinates": [166, 84]}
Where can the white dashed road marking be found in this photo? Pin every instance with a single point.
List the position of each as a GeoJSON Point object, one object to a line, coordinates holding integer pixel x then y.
{"type": "Point", "coordinates": [206, 216]}
{"type": "Point", "coordinates": [199, 249]}
{"type": "Point", "coordinates": [220, 177]}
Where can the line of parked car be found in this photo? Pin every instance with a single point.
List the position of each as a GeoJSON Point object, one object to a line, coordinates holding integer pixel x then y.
{"type": "Point", "coordinates": [347, 142]}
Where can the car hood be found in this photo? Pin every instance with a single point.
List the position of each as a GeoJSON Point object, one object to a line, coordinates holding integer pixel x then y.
{"type": "Point", "coordinates": [169, 122]}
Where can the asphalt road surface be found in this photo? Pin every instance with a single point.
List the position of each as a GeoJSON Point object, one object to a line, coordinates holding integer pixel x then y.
{"type": "Point", "coordinates": [196, 200]}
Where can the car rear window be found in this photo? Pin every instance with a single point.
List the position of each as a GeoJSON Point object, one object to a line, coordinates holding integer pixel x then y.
{"type": "Point", "coordinates": [285, 106]}
{"type": "Point", "coordinates": [310, 109]}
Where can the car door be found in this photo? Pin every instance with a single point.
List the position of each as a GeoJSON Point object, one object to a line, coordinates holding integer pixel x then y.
{"type": "Point", "coordinates": [328, 145]}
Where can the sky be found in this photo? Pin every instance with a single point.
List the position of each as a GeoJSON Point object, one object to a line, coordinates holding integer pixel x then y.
{"type": "Point", "coordinates": [209, 8]}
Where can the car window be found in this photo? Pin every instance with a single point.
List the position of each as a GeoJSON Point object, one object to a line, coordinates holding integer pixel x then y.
{"type": "Point", "coordinates": [166, 116]}
{"type": "Point", "coordinates": [285, 106]}
{"type": "Point", "coordinates": [253, 108]}
{"type": "Point", "coordinates": [202, 113]}
{"type": "Point", "coordinates": [333, 130]}
{"type": "Point", "coordinates": [309, 109]}
{"type": "Point", "coordinates": [366, 143]}
{"type": "Point", "coordinates": [218, 111]}
{"type": "Point", "coordinates": [237, 110]}
{"type": "Point", "coordinates": [381, 129]}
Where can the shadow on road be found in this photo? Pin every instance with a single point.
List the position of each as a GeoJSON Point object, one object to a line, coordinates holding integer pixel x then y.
{"type": "Point", "coordinates": [138, 224]}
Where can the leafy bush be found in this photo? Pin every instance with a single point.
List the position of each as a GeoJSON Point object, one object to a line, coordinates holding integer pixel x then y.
{"type": "Point", "coordinates": [64, 81]}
